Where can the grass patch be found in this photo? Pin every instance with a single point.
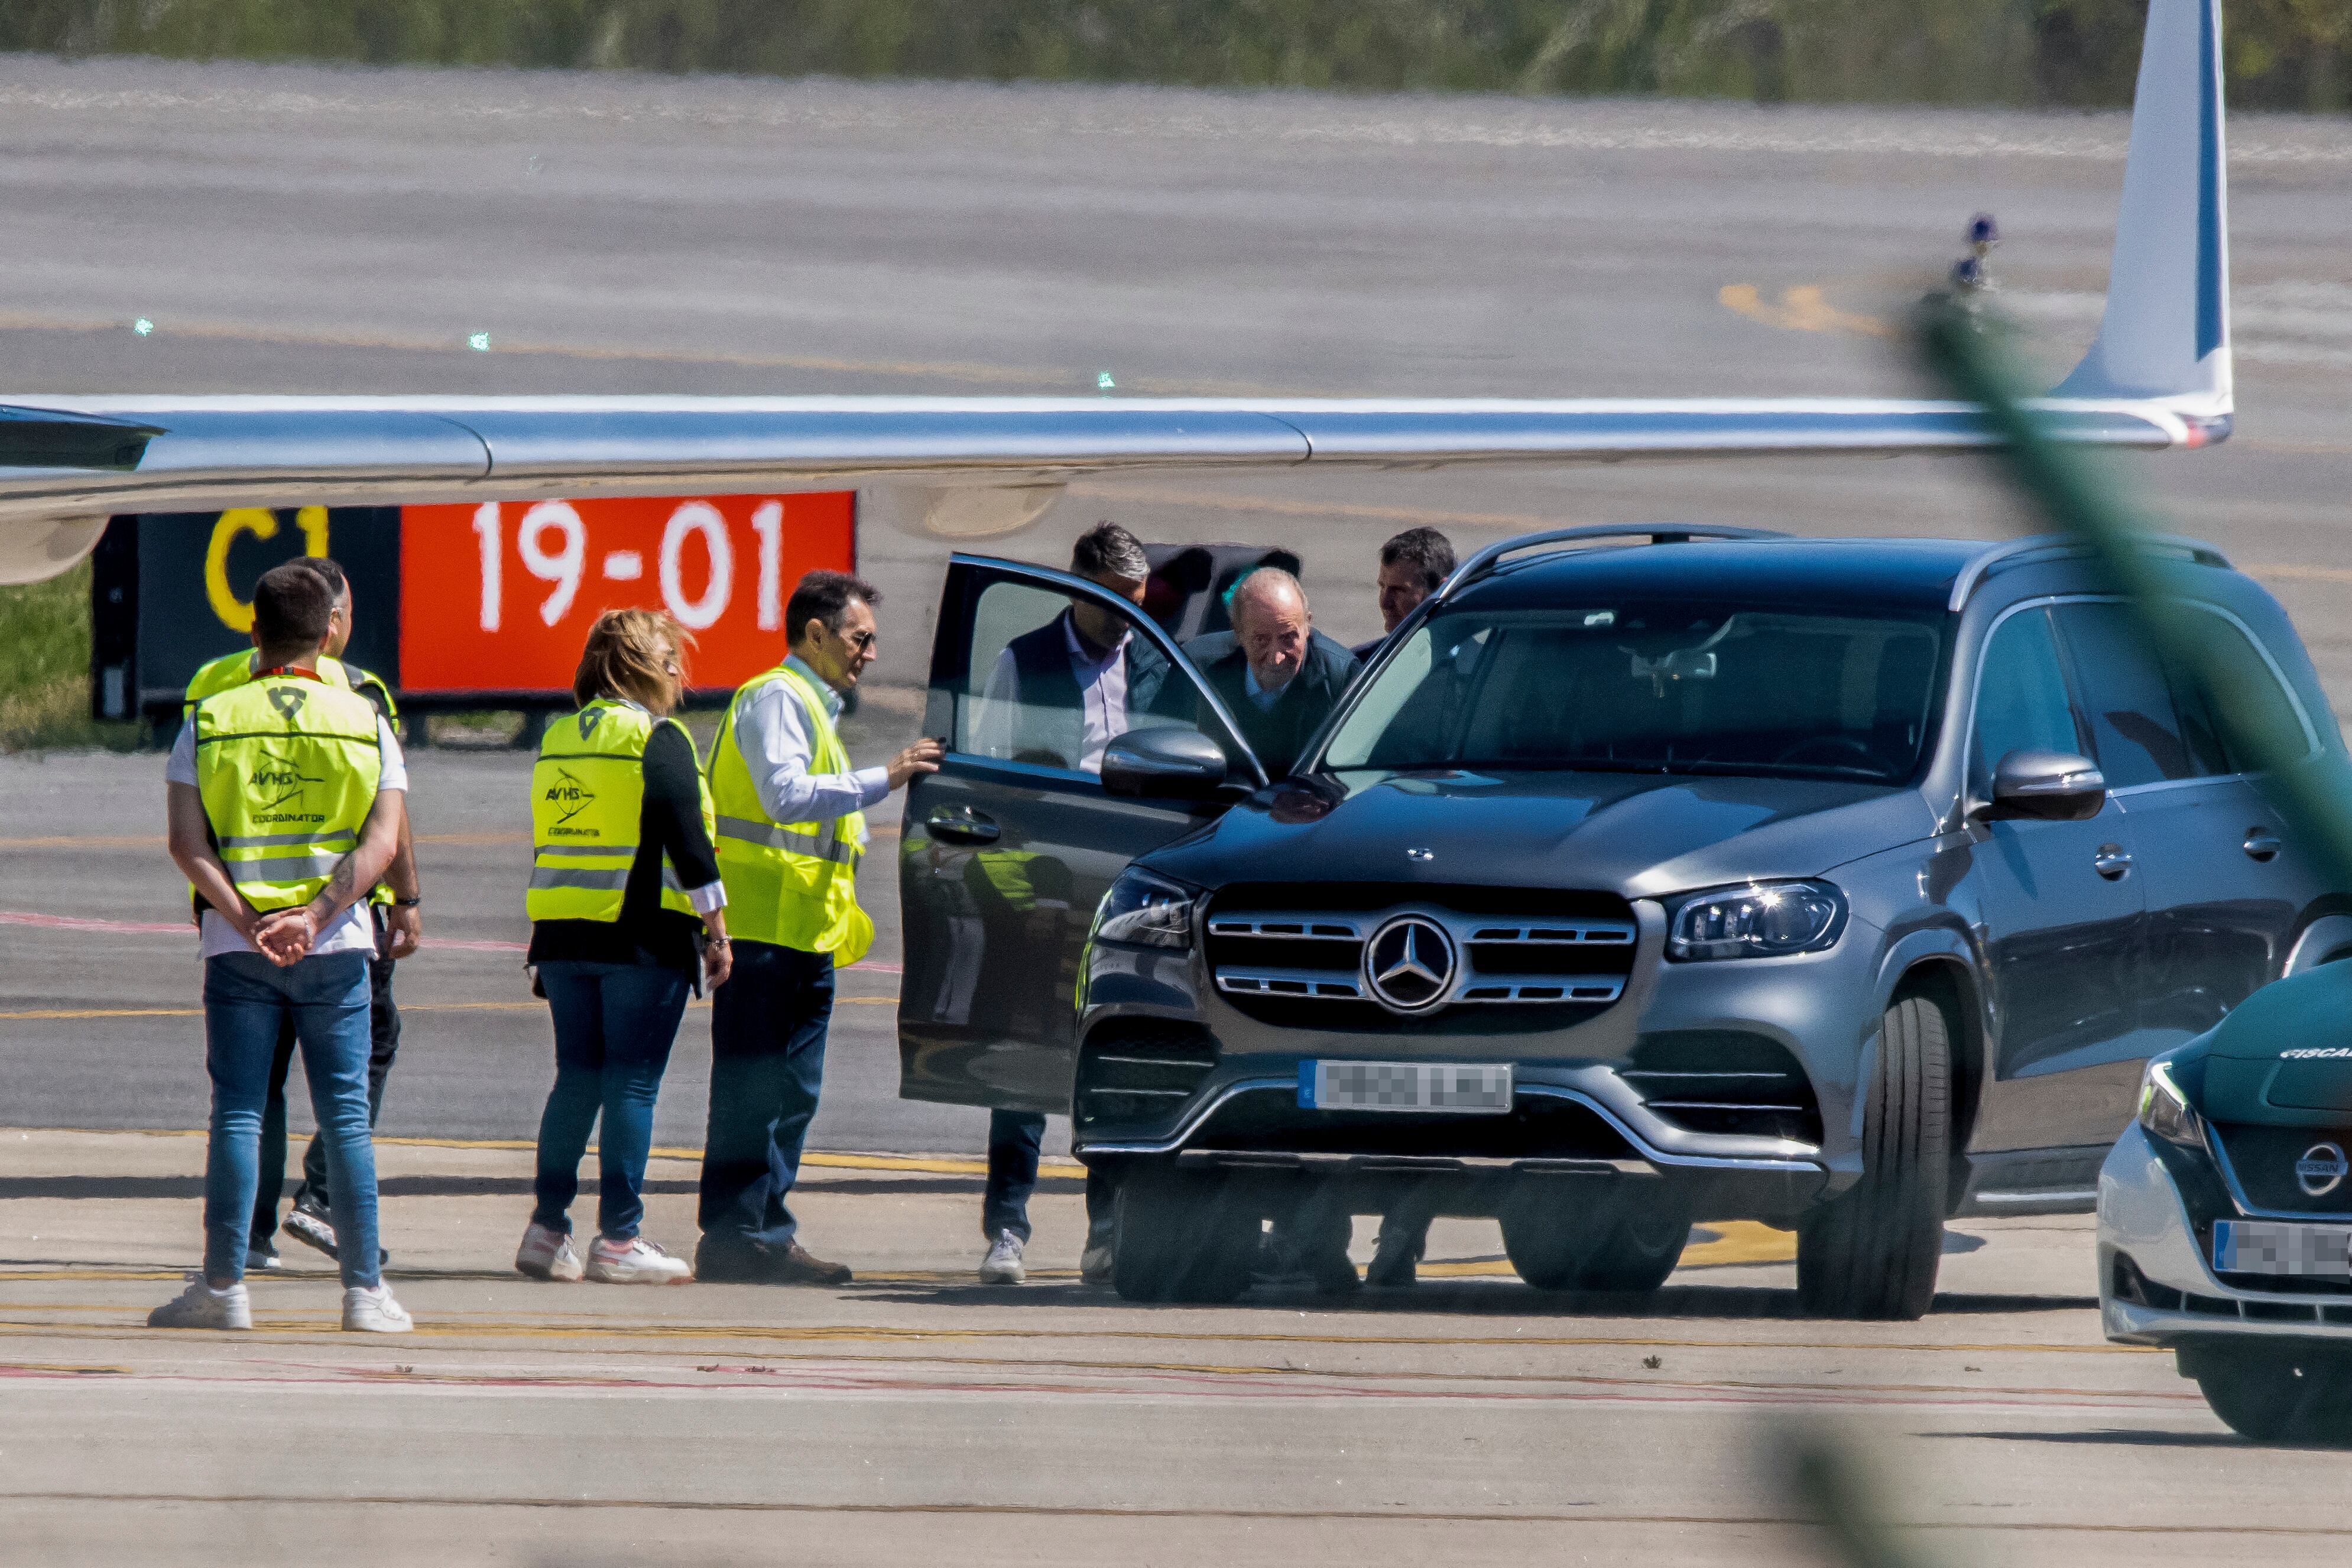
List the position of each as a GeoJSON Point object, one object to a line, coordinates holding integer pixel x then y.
{"type": "Point", "coordinates": [45, 669]}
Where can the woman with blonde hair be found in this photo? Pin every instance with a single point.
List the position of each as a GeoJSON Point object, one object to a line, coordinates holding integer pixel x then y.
{"type": "Point", "coordinates": [627, 914]}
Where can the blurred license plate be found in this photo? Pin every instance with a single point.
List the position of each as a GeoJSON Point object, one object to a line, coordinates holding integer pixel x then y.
{"type": "Point", "coordinates": [2257, 1247]}
{"type": "Point", "coordinates": [1404, 1086]}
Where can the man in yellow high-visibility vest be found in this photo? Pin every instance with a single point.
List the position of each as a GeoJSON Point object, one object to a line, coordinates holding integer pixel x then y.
{"type": "Point", "coordinates": [285, 796]}
{"type": "Point", "coordinates": [394, 909]}
{"type": "Point", "coordinates": [792, 826]}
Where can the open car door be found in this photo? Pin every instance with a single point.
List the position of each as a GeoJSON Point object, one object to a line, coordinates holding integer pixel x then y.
{"type": "Point", "coordinates": [1008, 848]}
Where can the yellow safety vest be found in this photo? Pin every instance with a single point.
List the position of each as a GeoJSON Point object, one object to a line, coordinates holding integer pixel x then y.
{"type": "Point", "coordinates": [231, 671]}
{"type": "Point", "coordinates": [287, 769]}
{"type": "Point", "coordinates": [587, 795]}
{"type": "Point", "coordinates": [791, 884]}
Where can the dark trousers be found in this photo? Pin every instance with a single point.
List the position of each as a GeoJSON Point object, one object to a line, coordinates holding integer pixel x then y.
{"type": "Point", "coordinates": [1013, 1140]}
{"type": "Point", "coordinates": [614, 1024]}
{"type": "Point", "coordinates": [767, 1064]}
{"type": "Point", "coordinates": [384, 1044]}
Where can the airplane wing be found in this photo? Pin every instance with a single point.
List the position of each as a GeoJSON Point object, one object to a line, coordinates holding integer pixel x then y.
{"type": "Point", "coordinates": [2158, 377]}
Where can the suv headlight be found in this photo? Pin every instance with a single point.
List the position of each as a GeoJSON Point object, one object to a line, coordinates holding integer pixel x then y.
{"type": "Point", "coordinates": [1762, 920]}
{"type": "Point", "coordinates": [1146, 911]}
{"type": "Point", "coordinates": [2164, 1111]}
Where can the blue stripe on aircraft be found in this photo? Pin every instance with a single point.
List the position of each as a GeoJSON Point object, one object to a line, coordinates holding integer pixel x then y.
{"type": "Point", "coordinates": [2209, 185]}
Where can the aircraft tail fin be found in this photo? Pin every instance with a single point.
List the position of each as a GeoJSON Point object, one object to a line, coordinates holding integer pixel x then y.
{"type": "Point", "coordinates": [2165, 336]}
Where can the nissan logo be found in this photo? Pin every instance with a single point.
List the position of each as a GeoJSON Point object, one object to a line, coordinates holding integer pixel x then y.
{"type": "Point", "coordinates": [2322, 1169]}
{"type": "Point", "coordinates": [1409, 964]}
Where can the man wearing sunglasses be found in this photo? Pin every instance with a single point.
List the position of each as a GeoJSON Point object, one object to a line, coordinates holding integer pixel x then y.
{"type": "Point", "coordinates": [790, 827]}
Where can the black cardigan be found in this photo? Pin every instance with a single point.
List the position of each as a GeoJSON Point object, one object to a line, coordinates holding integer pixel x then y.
{"type": "Point", "coordinates": [671, 822]}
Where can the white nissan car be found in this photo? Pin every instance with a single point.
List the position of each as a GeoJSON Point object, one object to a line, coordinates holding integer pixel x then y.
{"type": "Point", "coordinates": [2225, 1213]}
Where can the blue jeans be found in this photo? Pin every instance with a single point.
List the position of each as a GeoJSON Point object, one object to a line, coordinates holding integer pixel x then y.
{"type": "Point", "coordinates": [246, 1000]}
{"type": "Point", "coordinates": [1015, 1139]}
{"type": "Point", "coordinates": [767, 1063]}
{"type": "Point", "coordinates": [614, 1024]}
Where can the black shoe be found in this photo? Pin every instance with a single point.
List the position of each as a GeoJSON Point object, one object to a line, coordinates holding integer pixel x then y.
{"type": "Point", "coordinates": [1394, 1264]}
{"type": "Point", "coordinates": [313, 1227]}
{"type": "Point", "coordinates": [732, 1263]}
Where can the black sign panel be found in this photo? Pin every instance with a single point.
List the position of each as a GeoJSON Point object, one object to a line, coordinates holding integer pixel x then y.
{"type": "Point", "coordinates": [196, 572]}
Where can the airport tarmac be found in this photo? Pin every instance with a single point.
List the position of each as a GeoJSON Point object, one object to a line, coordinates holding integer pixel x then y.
{"type": "Point", "coordinates": [304, 229]}
{"type": "Point", "coordinates": [916, 1414]}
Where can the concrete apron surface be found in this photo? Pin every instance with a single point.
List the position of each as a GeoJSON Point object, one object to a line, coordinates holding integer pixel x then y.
{"type": "Point", "coordinates": [917, 1413]}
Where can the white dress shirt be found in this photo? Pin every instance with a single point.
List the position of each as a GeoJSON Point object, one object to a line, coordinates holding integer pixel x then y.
{"type": "Point", "coordinates": [773, 732]}
{"type": "Point", "coordinates": [1102, 699]}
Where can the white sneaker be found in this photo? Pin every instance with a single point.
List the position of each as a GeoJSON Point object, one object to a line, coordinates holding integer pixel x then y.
{"type": "Point", "coordinates": [260, 1262]}
{"type": "Point", "coordinates": [1003, 1265]}
{"type": "Point", "coordinates": [373, 1311]}
{"type": "Point", "coordinates": [636, 1261]}
{"type": "Point", "coordinates": [547, 1254]}
{"type": "Point", "coordinates": [202, 1307]}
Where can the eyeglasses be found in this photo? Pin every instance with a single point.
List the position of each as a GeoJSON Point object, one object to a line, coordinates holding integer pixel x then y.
{"type": "Point", "coordinates": [858, 641]}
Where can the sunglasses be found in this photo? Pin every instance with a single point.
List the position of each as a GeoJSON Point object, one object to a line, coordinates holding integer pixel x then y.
{"type": "Point", "coordinates": [858, 640]}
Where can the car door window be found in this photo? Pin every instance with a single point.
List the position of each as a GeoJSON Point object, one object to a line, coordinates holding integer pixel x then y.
{"type": "Point", "coordinates": [2258, 701]}
{"type": "Point", "coordinates": [2022, 698]}
{"type": "Point", "coordinates": [2135, 731]}
{"type": "Point", "coordinates": [1052, 678]}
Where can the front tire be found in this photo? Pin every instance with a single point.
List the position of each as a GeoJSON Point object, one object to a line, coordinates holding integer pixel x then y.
{"type": "Point", "coordinates": [1182, 1236]}
{"type": "Point", "coordinates": [1872, 1251]}
{"type": "Point", "coordinates": [1557, 1243]}
{"type": "Point", "coordinates": [2288, 1393]}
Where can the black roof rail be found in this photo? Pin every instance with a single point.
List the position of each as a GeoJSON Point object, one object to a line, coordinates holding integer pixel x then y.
{"type": "Point", "coordinates": [1484, 561]}
{"type": "Point", "coordinates": [2061, 546]}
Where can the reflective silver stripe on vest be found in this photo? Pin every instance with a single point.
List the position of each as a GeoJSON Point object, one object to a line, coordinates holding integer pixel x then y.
{"type": "Point", "coordinates": [283, 868]}
{"type": "Point", "coordinates": [544, 851]}
{"type": "Point", "coordinates": [825, 844]}
{"type": "Point", "coordinates": [279, 840]}
{"type": "Point", "coordinates": [547, 876]}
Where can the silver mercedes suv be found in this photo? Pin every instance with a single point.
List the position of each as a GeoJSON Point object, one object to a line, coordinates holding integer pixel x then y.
{"type": "Point", "coordinates": [1644, 877]}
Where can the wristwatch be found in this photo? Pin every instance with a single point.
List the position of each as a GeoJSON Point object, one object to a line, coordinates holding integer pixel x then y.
{"type": "Point", "coordinates": [400, 903]}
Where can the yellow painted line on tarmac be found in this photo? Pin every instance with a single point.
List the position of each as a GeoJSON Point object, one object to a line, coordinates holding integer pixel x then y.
{"type": "Point", "coordinates": [2292, 571]}
{"type": "Point", "coordinates": [915, 1164]}
{"type": "Point", "coordinates": [1731, 1241]}
{"type": "Point", "coordinates": [1801, 310]}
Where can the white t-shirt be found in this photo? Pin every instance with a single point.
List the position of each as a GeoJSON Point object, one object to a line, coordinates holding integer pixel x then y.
{"type": "Point", "coordinates": [352, 931]}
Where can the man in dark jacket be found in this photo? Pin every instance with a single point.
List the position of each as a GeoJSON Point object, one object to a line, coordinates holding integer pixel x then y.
{"type": "Point", "coordinates": [1413, 566]}
{"type": "Point", "coordinates": [1279, 677]}
{"type": "Point", "coordinates": [1056, 697]}
{"type": "Point", "coordinates": [1058, 694]}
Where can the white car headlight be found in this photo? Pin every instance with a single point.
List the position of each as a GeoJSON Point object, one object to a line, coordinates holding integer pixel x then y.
{"type": "Point", "coordinates": [1762, 920]}
{"type": "Point", "coordinates": [2164, 1111]}
{"type": "Point", "coordinates": [1146, 911]}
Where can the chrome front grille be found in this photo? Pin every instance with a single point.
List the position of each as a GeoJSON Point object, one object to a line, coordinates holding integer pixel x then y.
{"type": "Point", "coordinates": [1568, 960]}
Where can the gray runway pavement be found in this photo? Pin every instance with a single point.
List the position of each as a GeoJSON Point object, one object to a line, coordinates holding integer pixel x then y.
{"type": "Point", "coordinates": [295, 228]}
{"type": "Point", "coordinates": [916, 1415]}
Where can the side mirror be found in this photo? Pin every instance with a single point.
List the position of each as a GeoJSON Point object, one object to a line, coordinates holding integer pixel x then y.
{"type": "Point", "coordinates": [1166, 762]}
{"type": "Point", "coordinates": [2048, 786]}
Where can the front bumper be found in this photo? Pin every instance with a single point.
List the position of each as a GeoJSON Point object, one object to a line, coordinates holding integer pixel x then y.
{"type": "Point", "coordinates": [1820, 1008]}
{"type": "Point", "coordinates": [2148, 1247]}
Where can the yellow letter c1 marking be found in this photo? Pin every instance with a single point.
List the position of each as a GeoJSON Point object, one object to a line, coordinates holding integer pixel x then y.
{"type": "Point", "coordinates": [235, 613]}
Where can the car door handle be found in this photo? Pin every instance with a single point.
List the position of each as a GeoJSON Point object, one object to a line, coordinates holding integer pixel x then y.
{"type": "Point", "coordinates": [961, 825]}
{"type": "Point", "coordinates": [2112, 862]}
{"type": "Point", "coordinates": [2261, 845]}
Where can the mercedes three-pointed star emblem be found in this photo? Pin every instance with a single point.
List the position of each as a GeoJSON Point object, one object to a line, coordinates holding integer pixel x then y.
{"type": "Point", "coordinates": [1409, 965]}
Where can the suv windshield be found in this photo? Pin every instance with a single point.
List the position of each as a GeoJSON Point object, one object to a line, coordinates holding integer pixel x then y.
{"type": "Point", "coordinates": [1667, 687]}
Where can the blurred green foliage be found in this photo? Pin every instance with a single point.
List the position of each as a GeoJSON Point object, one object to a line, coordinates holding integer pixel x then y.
{"type": "Point", "coordinates": [45, 668]}
{"type": "Point", "coordinates": [2283, 54]}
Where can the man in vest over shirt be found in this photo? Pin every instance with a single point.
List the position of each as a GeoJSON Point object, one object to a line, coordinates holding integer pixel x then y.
{"type": "Point", "coordinates": [790, 830]}
{"type": "Point", "coordinates": [1058, 696]}
{"type": "Point", "coordinates": [284, 798]}
{"type": "Point", "coordinates": [394, 910]}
